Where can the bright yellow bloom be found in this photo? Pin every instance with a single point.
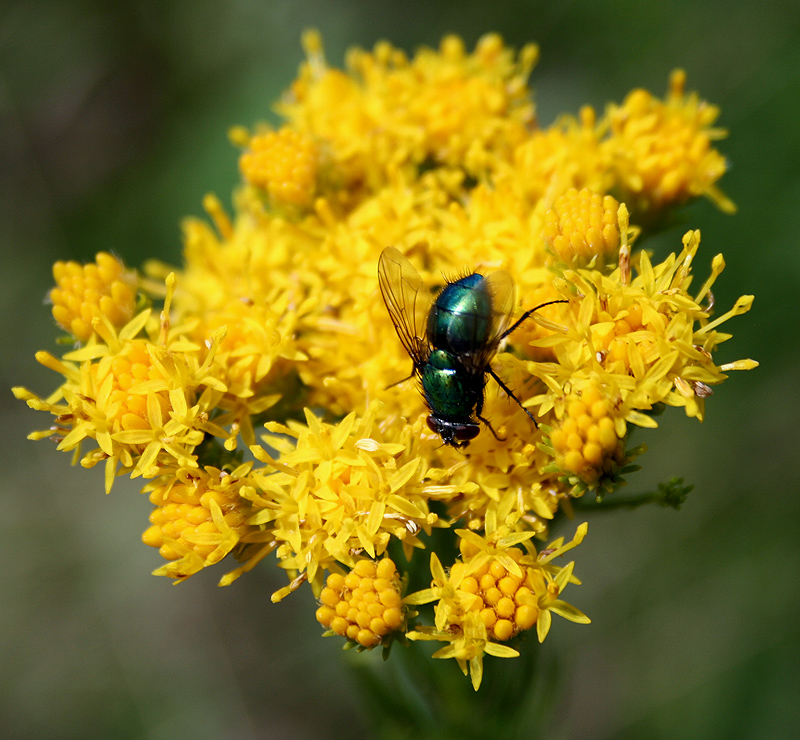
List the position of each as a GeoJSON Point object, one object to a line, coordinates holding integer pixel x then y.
{"type": "Point", "coordinates": [662, 149]}
{"type": "Point", "coordinates": [649, 338]}
{"type": "Point", "coordinates": [455, 108]}
{"type": "Point", "coordinates": [199, 517]}
{"type": "Point", "coordinates": [276, 310]}
{"type": "Point", "coordinates": [570, 154]}
{"type": "Point", "coordinates": [141, 402]}
{"type": "Point", "coordinates": [284, 163]}
{"type": "Point", "coordinates": [343, 489]}
{"type": "Point", "coordinates": [581, 228]}
{"type": "Point", "coordinates": [495, 591]}
{"type": "Point", "coordinates": [364, 605]}
{"type": "Point", "coordinates": [87, 292]}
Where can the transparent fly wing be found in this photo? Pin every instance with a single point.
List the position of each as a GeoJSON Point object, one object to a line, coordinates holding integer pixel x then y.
{"type": "Point", "coordinates": [499, 287]}
{"type": "Point", "coordinates": [407, 301]}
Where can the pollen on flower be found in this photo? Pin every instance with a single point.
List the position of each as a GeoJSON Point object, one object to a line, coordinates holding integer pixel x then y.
{"type": "Point", "coordinates": [365, 605]}
{"type": "Point", "coordinates": [586, 440]}
{"type": "Point", "coordinates": [86, 292]}
{"type": "Point", "coordinates": [582, 226]}
{"type": "Point", "coordinates": [284, 163]}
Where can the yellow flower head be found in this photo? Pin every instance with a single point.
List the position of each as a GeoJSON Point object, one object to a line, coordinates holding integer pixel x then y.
{"type": "Point", "coordinates": [589, 441]}
{"type": "Point", "coordinates": [138, 400]}
{"type": "Point", "coordinates": [340, 490]}
{"type": "Point", "coordinates": [569, 154]}
{"type": "Point", "coordinates": [662, 148]}
{"type": "Point", "coordinates": [199, 517]}
{"type": "Point", "coordinates": [647, 338]}
{"type": "Point", "coordinates": [495, 591]}
{"type": "Point", "coordinates": [456, 108]}
{"type": "Point", "coordinates": [86, 292]}
{"type": "Point", "coordinates": [364, 605]}
{"type": "Point", "coordinates": [284, 163]}
{"type": "Point", "coordinates": [581, 228]}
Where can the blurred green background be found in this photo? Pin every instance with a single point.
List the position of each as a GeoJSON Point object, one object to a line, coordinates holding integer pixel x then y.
{"type": "Point", "coordinates": [113, 121]}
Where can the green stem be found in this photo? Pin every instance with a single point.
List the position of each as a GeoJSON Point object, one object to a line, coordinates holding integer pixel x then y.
{"type": "Point", "coordinates": [672, 493]}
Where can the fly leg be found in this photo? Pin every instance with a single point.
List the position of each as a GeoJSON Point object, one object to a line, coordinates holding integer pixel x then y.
{"type": "Point", "coordinates": [402, 380]}
{"type": "Point", "coordinates": [479, 409]}
{"type": "Point", "coordinates": [510, 393]}
{"type": "Point", "coordinates": [491, 429]}
{"type": "Point", "coordinates": [522, 318]}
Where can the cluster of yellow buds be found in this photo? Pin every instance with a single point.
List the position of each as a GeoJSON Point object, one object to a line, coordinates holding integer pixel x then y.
{"type": "Point", "coordinates": [284, 163]}
{"type": "Point", "coordinates": [199, 518]}
{"type": "Point", "coordinates": [581, 228]}
{"type": "Point", "coordinates": [84, 293]}
{"type": "Point", "coordinates": [590, 440]}
{"type": "Point", "coordinates": [507, 601]}
{"type": "Point", "coordinates": [181, 513]}
{"type": "Point", "coordinates": [365, 605]}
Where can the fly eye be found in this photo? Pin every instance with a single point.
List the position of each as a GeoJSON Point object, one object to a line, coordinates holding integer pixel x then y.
{"type": "Point", "coordinates": [432, 425]}
{"type": "Point", "coordinates": [467, 432]}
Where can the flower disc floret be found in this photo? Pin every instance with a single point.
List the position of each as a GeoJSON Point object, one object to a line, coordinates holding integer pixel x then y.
{"type": "Point", "coordinates": [86, 292]}
{"type": "Point", "coordinates": [365, 605]}
{"type": "Point", "coordinates": [586, 440]}
{"type": "Point", "coordinates": [582, 227]}
{"type": "Point", "coordinates": [284, 163]}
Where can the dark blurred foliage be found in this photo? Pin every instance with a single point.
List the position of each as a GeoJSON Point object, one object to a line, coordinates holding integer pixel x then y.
{"type": "Point", "coordinates": [113, 120]}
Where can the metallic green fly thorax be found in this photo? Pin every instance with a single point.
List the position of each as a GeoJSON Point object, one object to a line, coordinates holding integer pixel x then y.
{"type": "Point", "coordinates": [461, 318]}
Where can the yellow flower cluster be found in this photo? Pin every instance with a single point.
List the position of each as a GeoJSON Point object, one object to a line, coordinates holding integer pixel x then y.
{"type": "Point", "coordinates": [582, 228]}
{"type": "Point", "coordinates": [493, 592]}
{"type": "Point", "coordinates": [388, 112]}
{"type": "Point", "coordinates": [365, 605]}
{"type": "Point", "coordinates": [662, 149]}
{"type": "Point", "coordinates": [587, 442]}
{"type": "Point", "coordinates": [84, 293]}
{"type": "Point", "coordinates": [277, 311]}
{"type": "Point", "coordinates": [284, 163]}
{"type": "Point", "coordinates": [200, 516]}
